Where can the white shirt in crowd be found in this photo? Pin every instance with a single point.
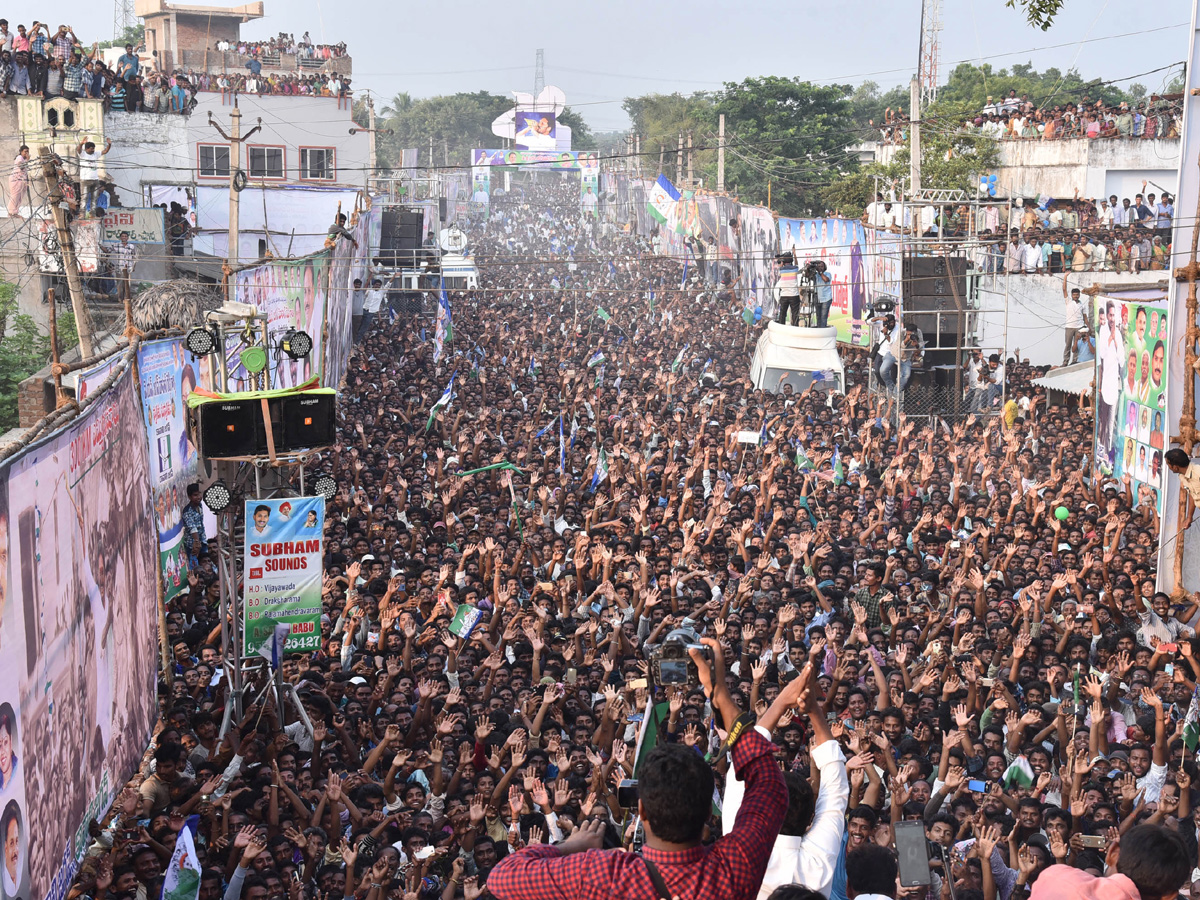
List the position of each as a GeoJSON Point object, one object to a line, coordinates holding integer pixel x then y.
{"type": "Point", "coordinates": [809, 859]}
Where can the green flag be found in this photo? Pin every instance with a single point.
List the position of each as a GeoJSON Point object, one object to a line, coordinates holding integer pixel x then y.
{"type": "Point", "coordinates": [602, 314]}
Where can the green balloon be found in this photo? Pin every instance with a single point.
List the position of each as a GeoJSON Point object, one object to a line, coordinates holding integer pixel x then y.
{"type": "Point", "coordinates": [1061, 513]}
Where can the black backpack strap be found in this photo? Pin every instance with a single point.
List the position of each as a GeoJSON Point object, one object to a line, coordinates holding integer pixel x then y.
{"type": "Point", "coordinates": [660, 886]}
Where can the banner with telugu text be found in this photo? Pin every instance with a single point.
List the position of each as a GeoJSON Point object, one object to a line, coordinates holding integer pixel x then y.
{"type": "Point", "coordinates": [282, 568]}
{"type": "Point", "coordinates": [78, 634]}
{"type": "Point", "coordinates": [168, 374]}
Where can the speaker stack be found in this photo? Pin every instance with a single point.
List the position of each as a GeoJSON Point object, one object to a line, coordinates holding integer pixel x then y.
{"type": "Point", "coordinates": [235, 427]}
{"type": "Point", "coordinates": [400, 236]}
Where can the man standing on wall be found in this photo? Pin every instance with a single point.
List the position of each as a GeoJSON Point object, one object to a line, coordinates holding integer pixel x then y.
{"type": "Point", "coordinates": [1075, 325]}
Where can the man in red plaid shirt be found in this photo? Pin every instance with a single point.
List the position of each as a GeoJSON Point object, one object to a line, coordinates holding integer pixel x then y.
{"type": "Point", "coordinates": [675, 800]}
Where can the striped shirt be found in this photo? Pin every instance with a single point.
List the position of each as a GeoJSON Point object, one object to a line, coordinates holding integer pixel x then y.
{"type": "Point", "coordinates": [787, 281]}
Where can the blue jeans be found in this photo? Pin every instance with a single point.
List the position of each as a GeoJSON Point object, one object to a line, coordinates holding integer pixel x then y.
{"type": "Point", "coordinates": [823, 313]}
{"type": "Point", "coordinates": [364, 326]}
{"type": "Point", "coordinates": [887, 372]}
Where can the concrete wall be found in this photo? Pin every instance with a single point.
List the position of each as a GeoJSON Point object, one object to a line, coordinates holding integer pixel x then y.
{"type": "Point", "coordinates": [1037, 311]}
{"type": "Point", "coordinates": [197, 59]}
{"type": "Point", "coordinates": [1096, 168]}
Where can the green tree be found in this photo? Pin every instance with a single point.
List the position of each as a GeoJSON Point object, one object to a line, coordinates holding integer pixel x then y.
{"type": "Point", "coordinates": [788, 138]}
{"type": "Point", "coordinates": [24, 349]}
{"type": "Point", "coordinates": [1038, 13]}
{"type": "Point", "coordinates": [659, 119]}
{"type": "Point", "coordinates": [133, 34]}
{"type": "Point", "coordinates": [581, 135]}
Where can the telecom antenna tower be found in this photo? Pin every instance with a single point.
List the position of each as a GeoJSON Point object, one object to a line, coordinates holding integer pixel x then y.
{"type": "Point", "coordinates": [123, 17]}
{"type": "Point", "coordinates": [539, 75]}
{"type": "Point", "coordinates": [927, 68]}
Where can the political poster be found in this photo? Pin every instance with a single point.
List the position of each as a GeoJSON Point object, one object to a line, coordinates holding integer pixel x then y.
{"type": "Point", "coordinates": [282, 568]}
{"type": "Point", "coordinates": [348, 261]}
{"type": "Point", "coordinates": [841, 245]}
{"type": "Point", "coordinates": [535, 130]}
{"type": "Point", "coordinates": [1131, 402]}
{"type": "Point", "coordinates": [291, 293]}
{"type": "Point", "coordinates": [78, 636]}
{"type": "Point", "coordinates": [546, 159]}
{"type": "Point", "coordinates": [168, 375]}
{"type": "Point", "coordinates": [145, 225]}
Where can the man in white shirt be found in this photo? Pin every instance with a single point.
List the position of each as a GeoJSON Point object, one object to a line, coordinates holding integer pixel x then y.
{"type": "Point", "coordinates": [1110, 350]}
{"type": "Point", "coordinates": [1106, 214]}
{"type": "Point", "coordinates": [1031, 256]}
{"type": "Point", "coordinates": [89, 171]}
{"type": "Point", "coordinates": [1074, 324]}
{"type": "Point", "coordinates": [372, 303]}
{"type": "Point", "coordinates": [810, 840]}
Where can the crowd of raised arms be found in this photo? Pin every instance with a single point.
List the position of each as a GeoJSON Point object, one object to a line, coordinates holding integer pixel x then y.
{"type": "Point", "coordinates": [918, 633]}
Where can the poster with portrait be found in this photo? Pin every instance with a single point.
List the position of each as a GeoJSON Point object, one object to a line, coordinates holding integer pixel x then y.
{"type": "Point", "coordinates": [1131, 401]}
{"type": "Point", "coordinates": [841, 245]}
{"type": "Point", "coordinates": [78, 634]}
{"type": "Point", "coordinates": [536, 130]}
{"type": "Point", "coordinates": [168, 375]}
{"type": "Point", "coordinates": [282, 566]}
{"type": "Point", "coordinates": [291, 294]}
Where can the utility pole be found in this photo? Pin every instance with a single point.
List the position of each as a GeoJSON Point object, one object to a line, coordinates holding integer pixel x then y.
{"type": "Point", "coordinates": [236, 139]}
{"type": "Point", "coordinates": [83, 318]}
{"type": "Point", "coordinates": [431, 155]}
{"type": "Point", "coordinates": [660, 157]}
{"type": "Point", "coordinates": [689, 159]}
{"type": "Point", "coordinates": [637, 153]}
{"type": "Point", "coordinates": [914, 146]}
{"type": "Point", "coordinates": [721, 153]}
{"type": "Point", "coordinates": [371, 157]}
{"type": "Point", "coordinates": [679, 160]}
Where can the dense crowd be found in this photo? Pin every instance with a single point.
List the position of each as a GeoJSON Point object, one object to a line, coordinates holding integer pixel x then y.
{"type": "Point", "coordinates": [921, 635]}
{"type": "Point", "coordinates": [1044, 235]}
{"type": "Point", "coordinates": [1019, 118]}
{"type": "Point", "coordinates": [284, 45]}
{"type": "Point", "coordinates": [319, 84]}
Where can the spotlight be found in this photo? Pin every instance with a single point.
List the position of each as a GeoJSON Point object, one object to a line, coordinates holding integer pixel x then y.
{"type": "Point", "coordinates": [200, 342]}
{"type": "Point", "coordinates": [296, 344]}
{"type": "Point", "coordinates": [217, 496]}
{"type": "Point", "coordinates": [325, 486]}
{"type": "Point", "coordinates": [254, 359]}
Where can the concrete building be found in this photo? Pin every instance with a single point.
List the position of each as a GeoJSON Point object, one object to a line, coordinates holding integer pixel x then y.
{"type": "Point", "coordinates": [189, 38]}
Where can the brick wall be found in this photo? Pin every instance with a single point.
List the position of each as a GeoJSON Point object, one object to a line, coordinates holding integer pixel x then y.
{"type": "Point", "coordinates": [201, 32]}
{"type": "Point", "coordinates": [32, 400]}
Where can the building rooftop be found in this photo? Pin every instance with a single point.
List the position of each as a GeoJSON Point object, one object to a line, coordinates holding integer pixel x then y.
{"type": "Point", "coordinates": [243, 13]}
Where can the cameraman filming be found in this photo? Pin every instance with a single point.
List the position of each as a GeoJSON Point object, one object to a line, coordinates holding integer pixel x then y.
{"type": "Point", "coordinates": [675, 789]}
{"type": "Point", "coordinates": [824, 283]}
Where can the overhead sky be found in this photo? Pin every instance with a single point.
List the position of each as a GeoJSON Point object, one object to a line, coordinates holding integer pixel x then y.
{"type": "Point", "coordinates": [601, 52]}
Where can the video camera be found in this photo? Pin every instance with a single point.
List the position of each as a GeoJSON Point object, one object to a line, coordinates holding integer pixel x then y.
{"type": "Point", "coordinates": [670, 662]}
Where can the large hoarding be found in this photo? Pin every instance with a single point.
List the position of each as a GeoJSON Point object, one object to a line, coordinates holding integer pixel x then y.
{"type": "Point", "coordinates": [78, 627]}
{"type": "Point", "coordinates": [535, 130]}
{"type": "Point", "coordinates": [168, 374]}
{"type": "Point", "coordinates": [1131, 394]}
{"type": "Point", "coordinates": [841, 245]}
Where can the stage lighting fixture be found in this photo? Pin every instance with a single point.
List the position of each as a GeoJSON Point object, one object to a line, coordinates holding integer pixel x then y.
{"type": "Point", "coordinates": [217, 496]}
{"type": "Point", "coordinates": [296, 344]}
{"type": "Point", "coordinates": [200, 342]}
{"type": "Point", "coordinates": [325, 486]}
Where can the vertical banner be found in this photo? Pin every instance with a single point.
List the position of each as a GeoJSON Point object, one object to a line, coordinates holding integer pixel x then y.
{"type": "Point", "coordinates": [840, 244]}
{"type": "Point", "coordinates": [283, 567]}
{"type": "Point", "coordinates": [1131, 405]}
{"type": "Point", "coordinates": [78, 648]}
{"type": "Point", "coordinates": [291, 293]}
{"type": "Point", "coordinates": [167, 376]}
{"type": "Point", "coordinates": [758, 239]}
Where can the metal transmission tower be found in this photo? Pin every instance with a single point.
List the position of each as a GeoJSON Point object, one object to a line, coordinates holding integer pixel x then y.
{"type": "Point", "coordinates": [539, 75]}
{"type": "Point", "coordinates": [123, 17]}
{"type": "Point", "coordinates": [927, 68]}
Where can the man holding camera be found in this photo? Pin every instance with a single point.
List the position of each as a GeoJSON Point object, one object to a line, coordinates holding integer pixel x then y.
{"type": "Point", "coordinates": [675, 801]}
{"type": "Point", "coordinates": [824, 282]}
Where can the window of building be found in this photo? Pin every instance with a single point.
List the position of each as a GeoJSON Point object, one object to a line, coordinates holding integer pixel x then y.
{"type": "Point", "coordinates": [214, 161]}
{"type": "Point", "coordinates": [266, 162]}
{"type": "Point", "coordinates": [316, 163]}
